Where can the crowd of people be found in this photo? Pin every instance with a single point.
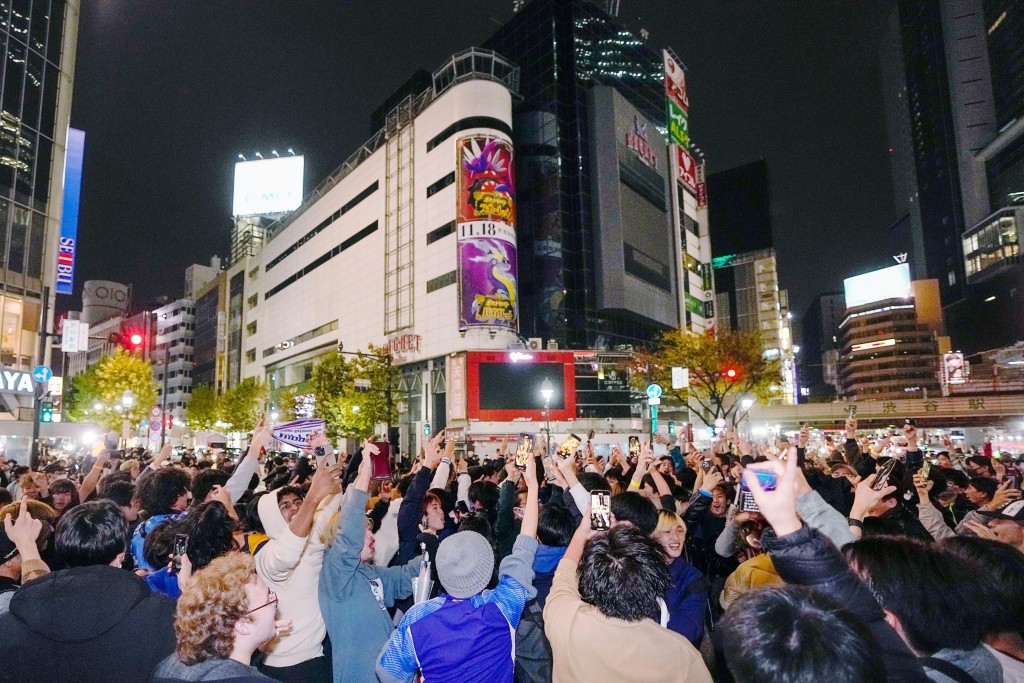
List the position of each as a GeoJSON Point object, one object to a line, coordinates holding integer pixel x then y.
{"type": "Point", "coordinates": [866, 560]}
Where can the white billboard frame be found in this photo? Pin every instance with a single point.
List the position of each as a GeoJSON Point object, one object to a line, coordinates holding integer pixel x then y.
{"type": "Point", "coordinates": [268, 186]}
{"type": "Point", "coordinates": [878, 285]}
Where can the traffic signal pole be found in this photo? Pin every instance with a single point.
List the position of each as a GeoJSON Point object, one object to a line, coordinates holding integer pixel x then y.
{"type": "Point", "coordinates": [163, 399]}
{"type": "Point", "coordinates": [38, 393]}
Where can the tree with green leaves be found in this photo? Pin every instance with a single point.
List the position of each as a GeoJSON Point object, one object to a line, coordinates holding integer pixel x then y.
{"type": "Point", "coordinates": [241, 406]}
{"type": "Point", "coordinates": [354, 394]}
{"type": "Point", "coordinates": [104, 385]}
{"type": "Point", "coordinates": [203, 408]}
{"type": "Point", "coordinates": [723, 371]}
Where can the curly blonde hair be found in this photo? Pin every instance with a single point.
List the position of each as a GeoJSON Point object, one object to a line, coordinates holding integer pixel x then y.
{"type": "Point", "coordinates": [209, 607]}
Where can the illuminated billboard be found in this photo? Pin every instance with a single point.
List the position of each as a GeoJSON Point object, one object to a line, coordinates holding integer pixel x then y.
{"type": "Point", "coordinates": [69, 218]}
{"type": "Point", "coordinates": [878, 285]}
{"type": "Point", "coordinates": [268, 186]}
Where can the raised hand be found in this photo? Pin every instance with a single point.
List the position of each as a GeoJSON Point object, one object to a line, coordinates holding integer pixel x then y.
{"type": "Point", "coordinates": [327, 480]}
{"type": "Point", "coordinates": [432, 451]}
{"type": "Point", "coordinates": [777, 506]}
{"type": "Point", "coordinates": [711, 479]}
{"type": "Point", "coordinates": [865, 497]}
{"type": "Point", "coordinates": [1004, 494]}
{"type": "Point", "coordinates": [24, 531]}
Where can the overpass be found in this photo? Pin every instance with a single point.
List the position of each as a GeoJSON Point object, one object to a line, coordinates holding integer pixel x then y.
{"type": "Point", "coordinates": [954, 411]}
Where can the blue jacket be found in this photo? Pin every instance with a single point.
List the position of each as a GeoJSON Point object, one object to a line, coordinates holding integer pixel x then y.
{"type": "Point", "coordinates": [545, 562]}
{"type": "Point", "coordinates": [139, 538]}
{"type": "Point", "coordinates": [354, 596]}
{"type": "Point", "coordinates": [163, 581]}
{"type": "Point", "coordinates": [687, 599]}
{"type": "Point", "coordinates": [464, 641]}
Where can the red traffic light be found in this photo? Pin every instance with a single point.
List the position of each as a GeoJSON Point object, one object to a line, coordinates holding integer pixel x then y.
{"type": "Point", "coordinates": [731, 373]}
{"type": "Point", "coordinates": [135, 339]}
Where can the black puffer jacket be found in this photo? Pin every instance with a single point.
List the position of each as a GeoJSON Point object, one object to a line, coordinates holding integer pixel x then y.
{"type": "Point", "coordinates": [806, 558]}
{"type": "Point", "coordinates": [85, 625]}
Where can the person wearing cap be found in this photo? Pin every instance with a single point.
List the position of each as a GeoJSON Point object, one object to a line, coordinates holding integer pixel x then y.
{"type": "Point", "coordinates": [1005, 525]}
{"type": "Point", "coordinates": [355, 594]}
{"type": "Point", "coordinates": [467, 633]}
{"type": "Point", "coordinates": [19, 554]}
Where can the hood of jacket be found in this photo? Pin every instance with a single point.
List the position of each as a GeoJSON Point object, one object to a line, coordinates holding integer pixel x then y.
{"type": "Point", "coordinates": [547, 558]}
{"type": "Point", "coordinates": [79, 604]}
{"type": "Point", "coordinates": [270, 515]}
{"type": "Point", "coordinates": [172, 668]}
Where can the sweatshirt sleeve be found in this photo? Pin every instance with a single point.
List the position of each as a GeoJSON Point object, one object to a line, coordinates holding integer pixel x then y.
{"type": "Point", "coordinates": [818, 514]}
{"type": "Point", "coordinates": [279, 556]}
{"type": "Point", "coordinates": [505, 526]}
{"type": "Point", "coordinates": [580, 497]}
{"type": "Point", "coordinates": [341, 559]}
{"type": "Point", "coordinates": [465, 481]}
{"type": "Point", "coordinates": [686, 609]}
{"type": "Point", "coordinates": [726, 544]}
{"type": "Point", "coordinates": [240, 478]}
{"type": "Point", "coordinates": [931, 519]}
{"type": "Point", "coordinates": [562, 604]}
{"type": "Point", "coordinates": [440, 479]}
{"type": "Point", "coordinates": [409, 515]}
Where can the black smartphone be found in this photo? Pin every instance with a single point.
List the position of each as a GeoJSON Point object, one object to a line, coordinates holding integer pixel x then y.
{"type": "Point", "coordinates": [634, 446]}
{"type": "Point", "coordinates": [569, 446]}
{"type": "Point", "coordinates": [462, 508]}
{"type": "Point", "coordinates": [180, 548]}
{"type": "Point", "coordinates": [600, 510]}
{"type": "Point", "coordinates": [926, 468]}
{"type": "Point", "coordinates": [707, 465]}
{"type": "Point", "coordinates": [745, 499]}
{"type": "Point", "coordinates": [524, 450]}
{"type": "Point", "coordinates": [883, 475]}
{"type": "Point", "coordinates": [549, 468]}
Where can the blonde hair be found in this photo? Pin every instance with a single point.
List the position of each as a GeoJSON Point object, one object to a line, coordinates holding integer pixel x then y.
{"type": "Point", "coordinates": [209, 607]}
{"type": "Point", "coordinates": [36, 509]}
{"type": "Point", "coordinates": [668, 520]}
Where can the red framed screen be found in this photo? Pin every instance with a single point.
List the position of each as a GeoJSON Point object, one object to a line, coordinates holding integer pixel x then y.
{"type": "Point", "coordinates": [504, 386]}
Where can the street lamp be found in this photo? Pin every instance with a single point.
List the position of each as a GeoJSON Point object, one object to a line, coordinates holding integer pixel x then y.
{"type": "Point", "coordinates": [127, 399]}
{"type": "Point", "coordinates": [97, 407]}
{"type": "Point", "coordinates": [547, 390]}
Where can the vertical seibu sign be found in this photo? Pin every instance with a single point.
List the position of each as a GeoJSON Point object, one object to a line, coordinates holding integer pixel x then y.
{"type": "Point", "coordinates": [486, 237]}
{"type": "Point", "coordinates": [68, 245]}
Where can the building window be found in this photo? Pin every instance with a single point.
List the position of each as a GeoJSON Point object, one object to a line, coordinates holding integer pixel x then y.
{"type": "Point", "coordinates": [250, 356]}
{"type": "Point", "coordinates": [443, 231]}
{"type": "Point", "coordinates": [324, 223]}
{"type": "Point", "coordinates": [466, 124]}
{"type": "Point", "coordinates": [441, 281]}
{"type": "Point", "coordinates": [253, 300]}
{"type": "Point", "coordinates": [304, 337]}
{"type": "Point", "coordinates": [251, 327]}
{"type": "Point", "coordinates": [371, 228]}
{"type": "Point", "coordinates": [440, 184]}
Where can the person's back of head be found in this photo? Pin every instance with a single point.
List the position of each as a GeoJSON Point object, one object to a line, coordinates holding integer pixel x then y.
{"type": "Point", "coordinates": [121, 492]}
{"type": "Point", "coordinates": [1003, 567]}
{"type": "Point", "coordinates": [957, 478]}
{"type": "Point", "coordinates": [161, 490]}
{"type": "Point", "coordinates": [592, 481]}
{"type": "Point", "coordinates": [110, 479]}
{"type": "Point", "coordinates": [204, 482]}
{"type": "Point", "coordinates": [210, 530]}
{"type": "Point", "coordinates": [795, 634]}
{"type": "Point", "coordinates": [633, 508]}
{"type": "Point", "coordinates": [93, 533]}
{"type": "Point", "coordinates": [927, 589]}
{"type": "Point", "coordinates": [555, 526]}
{"type": "Point", "coordinates": [623, 572]}
{"type": "Point", "coordinates": [485, 493]}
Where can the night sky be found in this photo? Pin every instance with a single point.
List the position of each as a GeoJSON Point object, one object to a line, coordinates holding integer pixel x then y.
{"type": "Point", "coordinates": [169, 92]}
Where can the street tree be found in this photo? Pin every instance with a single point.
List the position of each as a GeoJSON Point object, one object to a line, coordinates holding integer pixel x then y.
{"type": "Point", "coordinates": [104, 386]}
{"type": "Point", "coordinates": [241, 406]}
{"type": "Point", "coordinates": [203, 408]}
{"type": "Point", "coordinates": [723, 371]}
{"type": "Point", "coordinates": [354, 394]}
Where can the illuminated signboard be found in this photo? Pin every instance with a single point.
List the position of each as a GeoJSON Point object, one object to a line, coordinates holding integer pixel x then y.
{"type": "Point", "coordinates": [69, 218]}
{"type": "Point", "coordinates": [878, 285]}
{"type": "Point", "coordinates": [873, 345]}
{"type": "Point", "coordinates": [268, 186]}
{"type": "Point", "coordinates": [636, 141]}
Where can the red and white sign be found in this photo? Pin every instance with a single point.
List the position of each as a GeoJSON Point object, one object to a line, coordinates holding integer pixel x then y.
{"type": "Point", "coordinates": [687, 169]}
{"type": "Point", "coordinates": [636, 141]}
{"type": "Point", "coordinates": [456, 388]}
{"type": "Point", "coordinates": [401, 344]}
{"type": "Point", "coordinates": [675, 82]}
{"type": "Point", "coordinates": [154, 413]}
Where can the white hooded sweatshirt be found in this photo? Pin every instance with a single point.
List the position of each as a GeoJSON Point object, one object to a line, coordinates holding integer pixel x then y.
{"type": "Point", "coordinates": [386, 538]}
{"type": "Point", "coordinates": [290, 566]}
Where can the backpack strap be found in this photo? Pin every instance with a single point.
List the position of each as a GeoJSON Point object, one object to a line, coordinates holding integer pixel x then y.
{"type": "Point", "coordinates": [947, 669]}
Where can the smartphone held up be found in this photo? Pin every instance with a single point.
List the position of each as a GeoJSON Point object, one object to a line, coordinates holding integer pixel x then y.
{"type": "Point", "coordinates": [524, 450]}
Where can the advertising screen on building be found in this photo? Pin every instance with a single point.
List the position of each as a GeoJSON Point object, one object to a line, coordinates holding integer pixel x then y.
{"type": "Point", "coordinates": [675, 82]}
{"type": "Point", "coordinates": [506, 385]}
{"type": "Point", "coordinates": [268, 186]}
{"type": "Point", "coordinates": [878, 285]}
{"type": "Point", "coordinates": [486, 237]}
{"type": "Point", "coordinates": [69, 218]}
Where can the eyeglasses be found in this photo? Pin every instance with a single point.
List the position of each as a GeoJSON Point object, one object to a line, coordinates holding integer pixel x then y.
{"type": "Point", "coordinates": [272, 601]}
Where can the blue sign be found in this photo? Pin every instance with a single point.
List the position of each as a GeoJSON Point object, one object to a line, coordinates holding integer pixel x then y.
{"type": "Point", "coordinates": [69, 217]}
{"type": "Point", "coordinates": [654, 391]}
{"type": "Point", "coordinates": [42, 373]}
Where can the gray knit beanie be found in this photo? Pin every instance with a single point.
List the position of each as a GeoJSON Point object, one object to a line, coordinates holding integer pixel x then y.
{"type": "Point", "coordinates": [465, 563]}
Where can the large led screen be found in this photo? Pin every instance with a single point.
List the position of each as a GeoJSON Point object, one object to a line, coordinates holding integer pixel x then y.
{"type": "Point", "coordinates": [516, 386]}
{"type": "Point", "coordinates": [878, 285]}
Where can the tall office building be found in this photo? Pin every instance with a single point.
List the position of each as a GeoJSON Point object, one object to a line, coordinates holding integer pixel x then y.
{"type": "Point", "coordinates": [38, 54]}
{"type": "Point", "coordinates": [819, 343]}
{"type": "Point", "coordinates": [615, 246]}
{"type": "Point", "coordinates": [952, 73]}
{"type": "Point", "coordinates": [748, 299]}
{"type": "Point", "coordinates": [740, 209]}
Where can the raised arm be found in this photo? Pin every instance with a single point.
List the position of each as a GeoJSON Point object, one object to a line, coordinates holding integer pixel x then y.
{"type": "Point", "coordinates": [93, 478]}
{"type": "Point", "coordinates": [240, 478]}
{"type": "Point", "coordinates": [326, 480]}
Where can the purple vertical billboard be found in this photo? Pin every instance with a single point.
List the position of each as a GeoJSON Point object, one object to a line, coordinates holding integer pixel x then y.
{"type": "Point", "coordinates": [69, 217]}
{"type": "Point", "coordinates": [488, 271]}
